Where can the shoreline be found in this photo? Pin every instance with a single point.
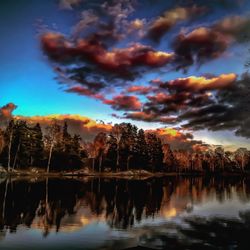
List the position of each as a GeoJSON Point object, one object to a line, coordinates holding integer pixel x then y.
{"type": "Point", "coordinates": [135, 174]}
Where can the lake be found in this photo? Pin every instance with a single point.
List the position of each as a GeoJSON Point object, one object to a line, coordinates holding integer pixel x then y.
{"type": "Point", "coordinates": [103, 213]}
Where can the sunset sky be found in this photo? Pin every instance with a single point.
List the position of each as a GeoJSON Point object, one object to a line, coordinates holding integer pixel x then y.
{"type": "Point", "coordinates": [158, 64]}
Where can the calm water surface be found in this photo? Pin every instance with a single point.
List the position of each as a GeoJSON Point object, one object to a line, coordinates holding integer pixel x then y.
{"type": "Point", "coordinates": [160, 213]}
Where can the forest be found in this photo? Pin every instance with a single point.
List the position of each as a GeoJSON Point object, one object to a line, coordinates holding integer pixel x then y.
{"type": "Point", "coordinates": [54, 149]}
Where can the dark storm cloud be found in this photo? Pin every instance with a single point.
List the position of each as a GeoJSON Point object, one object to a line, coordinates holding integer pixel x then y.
{"type": "Point", "coordinates": [170, 18]}
{"type": "Point", "coordinates": [111, 66]}
{"type": "Point", "coordinates": [149, 117]}
{"type": "Point", "coordinates": [184, 93]}
{"type": "Point", "coordinates": [206, 43]}
{"type": "Point", "coordinates": [230, 110]}
{"type": "Point", "coordinates": [124, 102]}
{"type": "Point", "coordinates": [171, 102]}
{"type": "Point", "coordinates": [222, 109]}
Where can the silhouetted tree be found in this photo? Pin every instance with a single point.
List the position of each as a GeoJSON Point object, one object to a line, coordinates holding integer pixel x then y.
{"type": "Point", "coordinates": [111, 155]}
{"type": "Point", "coordinates": [155, 152]}
{"type": "Point", "coordinates": [141, 154]}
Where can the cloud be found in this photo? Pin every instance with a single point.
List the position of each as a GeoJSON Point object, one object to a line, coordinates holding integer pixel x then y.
{"type": "Point", "coordinates": [88, 18]}
{"type": "Point", "coordinates": [108, 51]}
{"type": "Point", "coordinates": [165, 103]}
{"type": "Point", "coordinates": [197, 103]}
{"type": "Point", "coordinates": [124, 102]}
{"type": "Point", "coordinates": [229, 111]}
{"type": "Point", "coordinates": [198, 46]}
{"type": "Point", "coordinates": [6, 113]}
{"type": "Point", "coordinates": [68, 4]}
{"type": "Point", "coordinates": [205, 43]}
{"type": "Point", "coordinates": [92, 55]}
{"type": "Point", "coordinates": [60, 49]}
{"type": "Point", "coordinates": [177, 138]}
{"type": "Point", "coordinates": [83, 61]}
{"type": "Point", "coordinates": [170, 18]}
{"type": "Point", "coordinates": [194, 83]}
{"type": "Point", "coordinates": [148, 117]}
{"type": "Point", "coordinates": [143, 90]}
{"type": "Point", "coordinates": [235, 26]}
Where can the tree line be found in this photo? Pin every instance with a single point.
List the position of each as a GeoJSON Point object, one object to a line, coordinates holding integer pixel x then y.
{"type": "Point", "coordinates": [26, 146]}
{"type": "Point", "coordinates": [124, 148]}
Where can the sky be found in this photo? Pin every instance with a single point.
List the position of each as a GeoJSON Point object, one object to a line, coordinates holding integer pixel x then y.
{"type": "Point", "coordinates": [158, 64]}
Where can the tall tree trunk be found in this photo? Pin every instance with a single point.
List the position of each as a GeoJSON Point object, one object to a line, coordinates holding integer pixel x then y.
{"type": "Point", "coordinates": [17, 151]}
{"type": "Point", "coordinates": [9, 150]}
{"type": "Point", "coordinates": [100, 162]}
{"type": "Point", "coordinates": [117, 156]}
{"type": "Point", "coordinates": [93, 164]}
{"type": "Point", "coordinates": [128, 162]}
{"type": "Point", "coordinates": [50, 154]}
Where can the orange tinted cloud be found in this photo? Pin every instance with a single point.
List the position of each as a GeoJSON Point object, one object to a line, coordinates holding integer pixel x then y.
{"type": "Point", "coordinates": [59, 48]}
{"type": "Point", "coordinates": [176, 138]}
{"type": "Point", "coordinates": [202, 83]}
{"type": "Point", "coordinates": [6, 110]}
{"type": "Point", "coordinates": [140, 89]}
{"type": "Point", "coordinates": [170, 133]}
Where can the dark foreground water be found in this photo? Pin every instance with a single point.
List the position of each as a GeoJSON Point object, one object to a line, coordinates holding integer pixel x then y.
{"type": "Point", "coordinates": [160, 213]}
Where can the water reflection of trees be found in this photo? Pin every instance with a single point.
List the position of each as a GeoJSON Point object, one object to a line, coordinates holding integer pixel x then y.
{"type": "Point", "coordinates": [45, 204]}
